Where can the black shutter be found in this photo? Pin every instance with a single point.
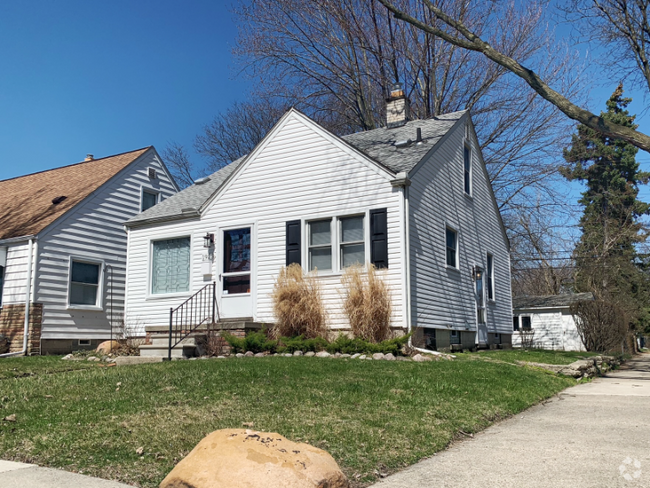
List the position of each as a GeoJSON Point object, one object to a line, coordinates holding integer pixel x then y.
{"type": "Point", "coordinates": [379, 237]}
{"type": "Point", "coordinates": [293, 242]}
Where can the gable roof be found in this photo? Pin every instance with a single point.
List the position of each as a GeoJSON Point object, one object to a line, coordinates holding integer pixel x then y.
{"type": "Point", "coordinates": [377, 145]}
{"type": "Point", "coordinates": [550, 301]}
{"type": "Point", "coordinates": [26, 206]}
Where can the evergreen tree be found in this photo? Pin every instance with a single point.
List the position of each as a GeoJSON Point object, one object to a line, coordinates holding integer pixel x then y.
{"type": "Point", "coordinates": [606, 257]}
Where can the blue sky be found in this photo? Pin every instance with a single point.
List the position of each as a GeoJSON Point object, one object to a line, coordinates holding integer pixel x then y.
{"type": "Point", "coordinates": [80, 77]}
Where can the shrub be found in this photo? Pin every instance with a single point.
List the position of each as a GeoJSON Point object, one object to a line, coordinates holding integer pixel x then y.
{"type": "Point", "coordinates": [345, 345]}
{"type": "Point", "coordinates": [293, 344]}
{"type": "Point", "coordinates": [367, 303]}
{"type": "Point", "coordinates": [603, 326]}
{"type": "Point", "coordinates": [297, 304]}
{"type": "Point", "coordinates": [254, 342]}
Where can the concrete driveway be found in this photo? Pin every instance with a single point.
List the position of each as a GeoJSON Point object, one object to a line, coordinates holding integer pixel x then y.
{"type": "Point", "coordinates": [19, 475]}
{"type": "Point", "coordinates": [591, 435]}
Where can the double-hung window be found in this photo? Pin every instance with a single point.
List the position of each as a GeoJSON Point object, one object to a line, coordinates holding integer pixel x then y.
{"type": "Point", "coordinates": [490, 277]}
{"type": "Point", "coordinates": [170, 266]}
{"type": "Point", "coordinates": [352, 239]}
{"type": "Point", "coordinates": [451, 238]}
{"type": "Point", "coordinates": [84, 284]}
{"type": "Point", "coordinates": [2, 278]}
{"type": "Point", "coordinates": [149, 199]}
{"type": "Point", "coordinates": [335, 244]}
{"type": "Point", "coordinates": [467, 169]}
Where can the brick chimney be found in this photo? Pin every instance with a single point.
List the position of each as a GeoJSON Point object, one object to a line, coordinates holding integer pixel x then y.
{"type": "Point", "coordinates": [89, 157]}
{"type": "Point", "coordinates": [397, 107]}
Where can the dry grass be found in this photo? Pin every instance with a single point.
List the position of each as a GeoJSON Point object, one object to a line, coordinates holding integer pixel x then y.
{"type": "Point", "coordinates": [297, 304]}
{"type": "Point", "coordinates": [367, 303]}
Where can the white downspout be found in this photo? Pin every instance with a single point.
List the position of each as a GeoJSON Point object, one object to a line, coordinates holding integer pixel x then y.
{"type": "Point", "coordinates": [28, 297]}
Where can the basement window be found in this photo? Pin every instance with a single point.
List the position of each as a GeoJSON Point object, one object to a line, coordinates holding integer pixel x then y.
{"type": "Point", "coordinates": [83, 342]}
{"type": "Point", "coordinates": [454, 337]}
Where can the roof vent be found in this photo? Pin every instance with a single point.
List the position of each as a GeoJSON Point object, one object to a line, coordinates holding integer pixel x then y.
{"type": "Point", "coordinates": [57, 200]}
{"type": "Point", "coordinates": [200, 181]}
{"type": "Point", "coordinates": [418, 136]}
{"type": "Point", "coordinates": [401, 144]}
{"type": "Point", "coordinates": [151, 172]}
{"type": "Point", "coordinates": [188, 210]}
{"type": "Point", "coordinates": [89, 157]}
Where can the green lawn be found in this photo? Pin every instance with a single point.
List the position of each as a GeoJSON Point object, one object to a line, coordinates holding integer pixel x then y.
{"type": "Point", "coordinates": [531, 355]}
{"type": "Point", "coordinates": [18, 367]}
{"type": "Point", "coordinates": [370, 415]}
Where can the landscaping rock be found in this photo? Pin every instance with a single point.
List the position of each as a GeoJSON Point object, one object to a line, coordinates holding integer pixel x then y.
{"type": "Point", "coordinates": [247, 459]}
{"type": "Point", "coordinates": [288, 355]}
{"type": "Point", "coordinates": [239, 355]}
{"type": "Point", "coordinates": [344, 356]}
{"type": "Point", "coordinates": [107, 347]}
{"type": "Point", "coordinates": [297, 353]}
{"type": "Point", "coordinates": [355, 355]}
{"type": "Point", "coordinates": [389, 357]}
{"type": "Point", "coordinates": [67, 357]}
{"type": "Point", "coordinates": [260, 355]}
{"type": "Point", "coordinates": [92, 358]}
{"type": "Point", "coordinates": [377, 356]}
{"type": "Point", "coordinates": [402, 358]}
{"type": "Point", "coordinates": [310, 354]}
{"type": "Point", "coordinates": [420, 358]}
{"type": "Point", "coordinates": [249, 354]}
{"type": "Point", "coordinates": [323, 354]}
{"type": "Point", "coordinates": [337, 355]}
{"type": "Point", "coordinates": [362, 356]}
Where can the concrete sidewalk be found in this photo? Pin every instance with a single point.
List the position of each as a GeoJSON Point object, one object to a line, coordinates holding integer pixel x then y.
{"type": "Point", "coordinates": [19, 475]}
{"type": "Point", "coordinates": [594, 435]}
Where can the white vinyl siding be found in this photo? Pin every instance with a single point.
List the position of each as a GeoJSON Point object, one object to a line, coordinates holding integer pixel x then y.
{"type": "Point", "coordinates": [442, 296]}
{"type": "Point", "coordinates": [93, 232]}
{"type": "Point", "coordinates": [553, 329]}
{"type": "Point", "coordinates": [15, 274]}
{"type": "Point", "coordinates": [299, 173]}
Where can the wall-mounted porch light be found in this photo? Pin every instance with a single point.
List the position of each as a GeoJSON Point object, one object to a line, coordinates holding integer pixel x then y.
{"type": "Point", "coordinates": [208, 240]}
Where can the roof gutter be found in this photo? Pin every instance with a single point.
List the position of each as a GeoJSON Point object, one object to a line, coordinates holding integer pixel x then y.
{"type": "Point", "coordinates": [28, 296]}
{"type": "Point", "coordinates": [13, 240]}
{"type": "Point", "coordinates": [185, 214]}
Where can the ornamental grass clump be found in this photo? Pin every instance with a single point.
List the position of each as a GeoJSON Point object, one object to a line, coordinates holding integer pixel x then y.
{"type": "Point", "coordinates": [367, 303]}
{"type": "Point", "coordinates": [297, 304]}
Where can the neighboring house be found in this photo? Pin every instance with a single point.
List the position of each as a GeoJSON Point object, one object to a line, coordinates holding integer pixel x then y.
{"type": "Point", "coordinates": [546, 322]}
{"type": "Point", "coordinates": [414, 199]}
{"type": "Point", "coordinates": [63, 247]}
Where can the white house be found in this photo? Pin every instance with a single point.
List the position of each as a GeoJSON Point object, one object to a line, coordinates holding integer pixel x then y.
{"type": "Point", "coordinates": [413, 198]}
{"type": "Point", "coordinates": [546, 322]}
{"type": "Point", "coordinates": [63, 248]}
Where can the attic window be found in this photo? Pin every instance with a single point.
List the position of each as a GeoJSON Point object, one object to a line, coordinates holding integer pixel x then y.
{"type": "Point", "coordinates": [57, 200]}
{"type": "Point", "coordinates": [152, 173]}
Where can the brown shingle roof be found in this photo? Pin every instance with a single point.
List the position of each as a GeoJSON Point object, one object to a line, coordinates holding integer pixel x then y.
{"type": "Point", "coordinates": [26, 206]}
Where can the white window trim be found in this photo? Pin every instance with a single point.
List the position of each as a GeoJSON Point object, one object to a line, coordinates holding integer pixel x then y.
{"type": "Point", "coordinates": [99, 304]}
{"type": "Point", "coordinates": [448, 266]}
{"type": "Point", "coordinates": [467, 146]}
{"type": "Point", "coordinates": [491, 276]}
{"type": "Point", "coordinates": [335, 241]}
{"type": "Point", "coordinates": [521, 323]}
{"type": "Point", "coordinates": [181, 294]}
{"type": "Point", "coordinates": [146, 189]}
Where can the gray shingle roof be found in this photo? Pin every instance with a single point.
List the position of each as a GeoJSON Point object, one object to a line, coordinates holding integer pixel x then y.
{"type": "Point", "coordinates": [550, 301]}
{"type": "Point", "coordinates": [191, 197]}
{"type": "Point", "coordinates": [378, 144]}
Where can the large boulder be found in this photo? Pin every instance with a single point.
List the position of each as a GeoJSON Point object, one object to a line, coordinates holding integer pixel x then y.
{"type": "Point", "coordinates": [245, 458]}
{"type": "Point", "coordinates": [108, 347]}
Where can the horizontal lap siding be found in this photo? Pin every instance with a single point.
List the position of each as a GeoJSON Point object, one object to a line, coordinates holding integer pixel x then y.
{"type": "Point", "coordinates": [93, 231]}
{"type": "Point", "coordinates": [15, 277]}
{"type": "Point", "coordinates": [299, 174]}
{"type": "Point", "coordinates": [443, 297]}
{"type": "Point", "coordinates": [551, 329]}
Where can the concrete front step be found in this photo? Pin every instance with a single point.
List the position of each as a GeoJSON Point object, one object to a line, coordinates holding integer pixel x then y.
{"type": "Point", "coordinates": [177, 352]}
{"type": "Point", "coordinates": [162, 340]}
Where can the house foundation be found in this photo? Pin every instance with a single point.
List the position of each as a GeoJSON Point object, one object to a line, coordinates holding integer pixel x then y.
{"type": "Point", "coordinates": [12, 326]}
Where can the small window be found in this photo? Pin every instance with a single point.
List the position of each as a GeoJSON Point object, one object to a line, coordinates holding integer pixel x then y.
{"type": "Point", "coordinates": [84, 283]}
{"type": "Point", "coordinates": [497, 338]}
{"type": "Point", "coordinates": [320, 245]}
{"type": "Point", "coordinates": [515, 322]}
{"type": "Point", "coordinates": [452, 247]}
{"type": "Point", "coordinates": [467, 162]}
{"type": "Point", "coordinates": [149, 199]}
{"type": "Point", "coordinates": [170, 266]}
{"type": "Point", "coordinates": [353, 250]}
{"type": "Point", "coordinates": [83, 342]}
{"type": "Point", "coordinates": [525, 323]}
{"type": "Point", "coordinates": [490, 277]}
{"type": "Point", "coordinates": [454, 337]}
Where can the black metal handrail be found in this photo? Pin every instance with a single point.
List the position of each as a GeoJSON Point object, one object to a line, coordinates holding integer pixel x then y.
{"type": "Point", "coordinates": [197, 310]}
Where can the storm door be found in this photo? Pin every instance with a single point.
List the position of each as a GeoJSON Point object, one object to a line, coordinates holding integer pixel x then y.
{"type": "Point", "coordinates": [235, 278]}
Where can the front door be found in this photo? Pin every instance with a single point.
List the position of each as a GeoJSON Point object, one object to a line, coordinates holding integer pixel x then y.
{"type": "Point", "coordinates": [481, 325]}
{"type": "Point", "coordinates": [235, 297]}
